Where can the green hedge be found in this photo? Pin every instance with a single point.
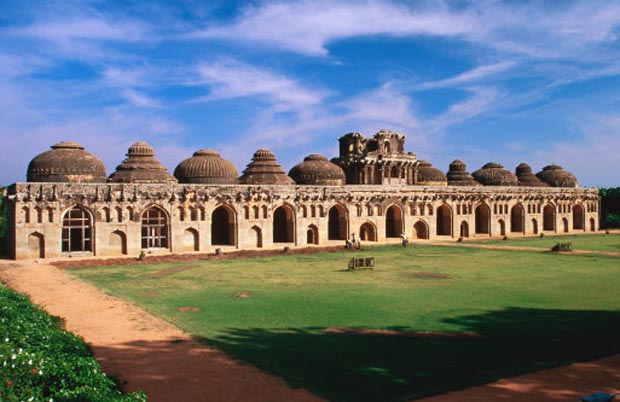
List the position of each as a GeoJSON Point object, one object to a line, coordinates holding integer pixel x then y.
{"type": "Point", "coordinates": [39, 361]}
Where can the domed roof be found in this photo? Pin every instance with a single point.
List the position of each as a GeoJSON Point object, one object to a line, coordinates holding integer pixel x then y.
{"type": "Point", "coordinates": [459, 176]}
{"type": "Point", "coordinates": [141, 166]}
{"type": "Point", "coordinates": [317, 170]}
{"type": "Point", "coordinates": [494, 174]}
{"type": "Point", "coordinates": [66, 162]}
{"type": "Point", "coordinates": [555, 176]}
{"type": "Point", "coordinates": [527, 178]}
{"type": "Point", "coordinates": [264, 169]}
{"type": "Point", "coordinates": [430, 175]}
{"type": "Point", "coordinates": [206, 166]}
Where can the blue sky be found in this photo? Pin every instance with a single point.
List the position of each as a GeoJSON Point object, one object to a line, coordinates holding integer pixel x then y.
{"type": "Point", "coordinates": [505, 81]}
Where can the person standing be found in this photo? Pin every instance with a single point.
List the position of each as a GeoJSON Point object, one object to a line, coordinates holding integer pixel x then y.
{"type": "Point", "coordinates": [404, 237]}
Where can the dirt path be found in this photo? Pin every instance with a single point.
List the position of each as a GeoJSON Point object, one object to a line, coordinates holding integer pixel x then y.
{"type": "Point", "coordinates": [147, 353]}
{"type": "Point", "coordinates": [142, 351]}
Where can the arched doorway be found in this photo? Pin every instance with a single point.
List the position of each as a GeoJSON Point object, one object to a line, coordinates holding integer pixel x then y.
{"type": "Point", "coordinates": [118, 243]}
{"type": "Point", "coordinates": [534, 226]}
{"type": "Point", "coordinates": [337, 223]}
{"type": "Point", "coordinates": [517, 217]}
{"type": "Point", "coordinates": [548, 217]}
{"type": "Point", "coordinates": [36, 245]}
{"type": "Point", "coordinates": [223, 229]}
{"type": "Point", "coordinates": [283, 224]}
{"type": "Point", "coordinates": [190, 240]}
{"type": "Point", "coordinates": [76, 231]}
{"type": "Point", "coordinates": [482, 214]}
{"type": "Point", "coordinates": [444, 221]}
{"type": "Point", "coordinates": [154, 228]}
{"type": "Point", "coordinates": [257, 234]}
{"type": "Point", "coordinates": [502, 227]}
{"type": "Point", "coordinates": [368, 232]}
{"type": "Point", "coordinates": [565, 225]}
{"type": "Point", "coordinates": [312, 235]}
{"type": "Point", "coordinates": [578, 218]}
{"type": "Point", "coordinates": [393, 221]}
{"type": "Point", "coordinates": [464, 229]}
{"type": "Point", "coordinates": [592, 225]}
{"type": "Point", "coordinates": [420, 230]}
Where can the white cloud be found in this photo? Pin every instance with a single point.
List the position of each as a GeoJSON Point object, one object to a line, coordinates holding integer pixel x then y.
{"type": "Point", "coordinates": [468, 77]}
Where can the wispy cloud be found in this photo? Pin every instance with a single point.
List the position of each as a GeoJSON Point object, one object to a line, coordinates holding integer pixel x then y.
{"type": "Point", "coordinates": [468, 77]}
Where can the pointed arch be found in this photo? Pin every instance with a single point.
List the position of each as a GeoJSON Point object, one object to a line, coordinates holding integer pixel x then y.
{"type": "Point", "coordinates": [464, 229]}
{"type": "Point", "coordinates": [444, 220]}
{"type": "Point", "coordinates": [549, 217]}
{"type": "Point", "coordinates": [368, 232]}
{"type": "Point", "coordinates": [394, 221]}
{"type": "Point", "coordinates": [534, 226]}
{"type": "Point", "coordinates": [77, 228]}
{"type": "Point", "coordinates": [119, 214]}
{"type": "Point", "coordinates": [223, 226]}
{"type": "Point", "coordinates": [312, 235]}
{"type": "Point", "coordinates": [420, 230]}
{"type": "Point", "coordinates": [284, 224]}
{"type": "Point", "coordinates": [36, 245]}
{"type": "Point", "coordinates": [483, 222]}
{"type": "Point", "coordinates": [517, 219]}
{"type": "Point", "coordinates": [191, 240]}
{"type": "Point", "coordinates": [118, 243]}
{"type": "Point", "coordinates": [578, 217]}
{"type": "Point", "coordinates": [502, 227]}
{"type": "Point", "coordinates": [155, 228]}
{"type": "Point", "coordinates": [592, 225]}
{"type": "Point", "coordinates": [565, 226]}
{"type": "Point", "coordinates": [257, 234]}
{"type": "Point", "coordinates": [337, 223]}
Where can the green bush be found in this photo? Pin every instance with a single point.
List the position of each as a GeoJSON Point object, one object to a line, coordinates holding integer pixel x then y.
{"type": "Point", "coordinates": [39, 361]}
{"type": "Point", "coordinates": [611, 221]}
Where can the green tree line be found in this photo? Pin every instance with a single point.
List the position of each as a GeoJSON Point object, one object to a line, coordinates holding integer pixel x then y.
{"type": "Point", "coordinates": [610, 207]}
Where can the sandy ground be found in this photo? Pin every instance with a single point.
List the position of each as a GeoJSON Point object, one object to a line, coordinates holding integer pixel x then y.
{"type": "Point", "coordinates": [145, 352]}
{"type": "Point", "coordinates": [142, 351]}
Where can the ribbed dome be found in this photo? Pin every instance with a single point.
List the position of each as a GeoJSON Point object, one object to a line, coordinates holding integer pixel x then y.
{"type": "Point", "coordinates": [459, 176]}
{"type": "Point", "coordinates": [317, 170]}
{"type": "Point", "coordinates": [206, 167]}
{"type": "Point", "coordinates": [527, 178]}
{"type": "Point", "coordinates": [264, 169]}
{"type": "Point", "coordinates": [141, 166]}
{"type": "Point", "coordinates": [430, 175]}
{"type": "Point", "coordinates": [494, 174]}
{"type": "Point", "coordinates": [66, 162]}
{"type": "Point", "coordinates": [555, 176]}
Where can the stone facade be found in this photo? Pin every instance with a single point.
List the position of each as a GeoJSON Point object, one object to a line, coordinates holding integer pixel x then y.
{"type": "Point", "coordinates": [388, 192]}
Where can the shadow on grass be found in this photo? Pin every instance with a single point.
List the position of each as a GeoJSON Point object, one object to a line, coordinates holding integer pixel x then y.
{"type": "Point", "coordinates": [349, 366]}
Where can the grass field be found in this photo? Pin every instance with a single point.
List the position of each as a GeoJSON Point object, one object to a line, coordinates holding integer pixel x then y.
{"type": "Point", "coordinates": [483, 314]}
{"type": "Point", "coordinates": [610, 242]}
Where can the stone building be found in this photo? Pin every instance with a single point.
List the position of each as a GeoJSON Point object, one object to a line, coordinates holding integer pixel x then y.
{"type": "Point", "coordinates": [374, 189]}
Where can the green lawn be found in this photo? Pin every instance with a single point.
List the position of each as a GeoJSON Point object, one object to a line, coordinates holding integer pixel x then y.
{"type": "Point", "coordinates": [610, 242]}
{"type": "Point", "coordinates": [529, 310]}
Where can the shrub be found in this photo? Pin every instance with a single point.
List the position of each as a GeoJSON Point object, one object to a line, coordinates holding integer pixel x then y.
{"type": "Point", "coordinates": [562, 247]}
{"type": "Point", "coordinates": [39, 361]}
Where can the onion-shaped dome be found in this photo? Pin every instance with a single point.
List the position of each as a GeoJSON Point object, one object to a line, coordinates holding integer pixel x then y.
{"type": "Point", "coordinates": [459, 176]}
{"type": "Point", "coordinates": [66, 162]}
{"type": "Point", "coordinates": [555, 176]}
{"type": "Point", "coordinates": [317, 170]}
{"type": "Point", "coordinates": [264, 169]}
{"type": "Point", "coordinates": [206, 167]}
{"type": "Point", "coordinates": [527, 178]}
{"type": "Point", "coordinates": [141, 166]}
{"type": "Point", "coordinates": [494, 174]}
{"type": "Point", "coordinates": [430, 175]}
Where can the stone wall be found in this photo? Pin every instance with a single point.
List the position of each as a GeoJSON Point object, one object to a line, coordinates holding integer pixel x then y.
{"type": "Point", "coordinates": [202, 218]}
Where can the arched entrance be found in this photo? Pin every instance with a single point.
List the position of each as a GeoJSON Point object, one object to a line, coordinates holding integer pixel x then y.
{"type": "Point", "coordinates": [517, 218]}
{"type": "Point", "coordinates": [444, 221]}
{"type": "Point", "coordinates": [76, 230]}
{"type": "Point", "coordinates": [482, 214]}
{"type": "Point", "coordinates": [312, 235]}
{"type": "Point", "coordinates": [337, 223]}
{"type": "Point", "coordinates": [464, 229]}
{"type": "Point", "coordinates": [154, 228]}
{"type": "Point", "coordinates": [420, 230]}
{"type": "Point", "coordinates": [534, 226]}
{"type": "Point", "coordinates": [368, 232]}
{"type": "Point", "coordinates": [565, 225]}
{"type": "Point", "coordinates": [257, 234]}
{"type": "Point", "coordinates": [578, 218]}
{"type": "Point", "coordinates": [548, 217]}
{"type": "Point", "coordinates": [502, 227]}
{"type": "Point", "coordinates": [592, 225]}
{"type": "Point", "coordinates": [223, 229]}
{"type": "Point", "coordinates": [393, 221]}
{"type": "Point", "coordinates": [283, 224]}
{"type": "Point", "coordinates": [36, 245]}
{"type": "Point", "coordinates": [190, 240]}
{"type": "Point", "coordinates": [118, 243]}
